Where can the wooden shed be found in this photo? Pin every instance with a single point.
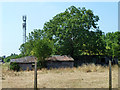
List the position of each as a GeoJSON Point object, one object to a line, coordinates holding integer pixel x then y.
{"type": "Point", "coordinates": [25, 62]}
{"type": "Point", "coordinates": [58, 61]}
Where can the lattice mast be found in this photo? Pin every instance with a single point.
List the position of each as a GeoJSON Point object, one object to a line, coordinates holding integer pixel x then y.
{"type": "Point", "coordinates": [24, 28]}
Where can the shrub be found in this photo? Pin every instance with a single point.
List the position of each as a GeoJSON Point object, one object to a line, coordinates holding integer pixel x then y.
{"type": "Point", "coordinates": [6, 60]}
{"type": "Point", "coordinates": [14, 66]}
{"type": "Point", "coordinates": [41, 64]}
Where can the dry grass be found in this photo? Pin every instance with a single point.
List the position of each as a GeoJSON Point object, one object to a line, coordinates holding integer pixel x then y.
{"type": "Point", "coordinates": [86, 76]}
{"type": "Point", "coordinates": [0, 76]}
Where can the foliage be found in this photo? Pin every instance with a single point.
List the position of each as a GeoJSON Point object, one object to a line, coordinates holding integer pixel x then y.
{"type": "Point", "coordinates": [118, 46]}
{"type": "Point", "coordinates": [37, 42]}
{"type": "Point", "coordinates": [37, 45]}
{"type": "Point", "coordinates": [2, 58]}
{"type": "Point", "coordinates": [41, 64]}
{"type": "Point", "coordinates": [112, 44]}
{"type": "Point", "coordinates": [71, 32]}
{"type": "Point", "coordinates": [42, 48]}
{"type": "Point", "coordinates": [12, 56]}
{"type": "Point", "coordinates": [14, 66]}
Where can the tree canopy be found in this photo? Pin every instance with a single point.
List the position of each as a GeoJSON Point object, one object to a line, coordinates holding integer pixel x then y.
{"type": "Point", "coordinates": [75, 32]}
{"type": "Point", "coordinates": [37, 45]}
{"type": "Point", "coordinates": [112, 43]}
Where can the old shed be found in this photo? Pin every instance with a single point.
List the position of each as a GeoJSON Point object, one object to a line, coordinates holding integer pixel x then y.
{"type": "Point", "coordinates": [58, 61]}
{"type": "Point", "coordinates": [25, 62]}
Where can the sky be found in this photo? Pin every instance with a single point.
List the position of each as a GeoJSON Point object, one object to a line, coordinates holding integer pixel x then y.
{"type": "Point", "coordinates": [11, 31]}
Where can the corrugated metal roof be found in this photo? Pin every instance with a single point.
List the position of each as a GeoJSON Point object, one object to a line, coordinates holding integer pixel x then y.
{"type": "Point", "coordinates": [27, 59]}
{"type": "Point", "coordinates": [60, 58]}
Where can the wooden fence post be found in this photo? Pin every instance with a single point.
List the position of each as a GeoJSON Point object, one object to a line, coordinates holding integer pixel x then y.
{"type": "Point", "coordinates": [110, 76]}
{"type": "Point", "coordinates": [35, 75]}
{"type": "Point", "coordinates": [118, 74]}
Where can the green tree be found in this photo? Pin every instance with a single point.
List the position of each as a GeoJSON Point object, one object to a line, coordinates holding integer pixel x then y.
{"type": "Point", "coordinates": [27, 47]}
{"type": "Point", "coordinates": [38, 45]}
{"type": "Point", "coordinates": [42, 49]}
{"type": "Point", "coordinates": [71, 32]}
{"type": "Point", "coordinates": [117, 45]}
{"type": "Point", "coordinates": [112, 43]}
{"type": "Point", "coordinates": [118, 49]}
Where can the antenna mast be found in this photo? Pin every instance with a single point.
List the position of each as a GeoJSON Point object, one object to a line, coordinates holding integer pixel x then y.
{"type": "Point", "coordinates": [24, 28]}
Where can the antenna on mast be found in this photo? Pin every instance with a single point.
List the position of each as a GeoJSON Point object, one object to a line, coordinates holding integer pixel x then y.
{"type": "Point", "coordinates": [24, 28]}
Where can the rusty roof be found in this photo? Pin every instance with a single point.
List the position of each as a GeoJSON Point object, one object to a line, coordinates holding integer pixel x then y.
{"type": "Point", "coordinates": [60, 58]}
{"type": "Point", "coordinates": [27, 59]}
{"type": "Point", "coordinates": [31, 59]}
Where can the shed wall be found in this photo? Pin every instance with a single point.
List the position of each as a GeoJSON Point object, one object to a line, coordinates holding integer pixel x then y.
{"type": "Point", "coordinates": [59, 64]}
{"type": "Point", "coordinates": [26, 66]}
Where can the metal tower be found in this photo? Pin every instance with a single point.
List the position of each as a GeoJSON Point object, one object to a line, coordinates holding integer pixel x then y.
{"type": "Point", "coordinates": [24, 28]}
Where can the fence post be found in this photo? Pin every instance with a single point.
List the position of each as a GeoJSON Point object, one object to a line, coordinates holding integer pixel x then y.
{"type": "Point", "coordinates": [35, 75]}
{"type": "Point", "coordinates": [118, 74]}
{"type": "Point", "coordinates": [110, 76]}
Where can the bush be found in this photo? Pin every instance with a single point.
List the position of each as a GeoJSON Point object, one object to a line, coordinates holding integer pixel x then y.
{"type": "Point", "coordinates": [6, 60]}
{"type": "Point", "coordinates": [14, 66]}
{"type": "Point", "coordinates": [41, 64]}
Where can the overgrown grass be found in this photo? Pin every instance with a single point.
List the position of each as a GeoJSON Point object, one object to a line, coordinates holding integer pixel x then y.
{"type": "Point", "coordinates": [85, 76]}
{"type": "Point", "coordinates": [83, 68]}
{"type": "Point", "coordinates": [5, 66]}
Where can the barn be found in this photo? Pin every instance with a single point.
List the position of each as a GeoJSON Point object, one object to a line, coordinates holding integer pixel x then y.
{"type": "Point", "coordinates": [58, 61]}
{"type": "Point", "coordinates": [25, 63]}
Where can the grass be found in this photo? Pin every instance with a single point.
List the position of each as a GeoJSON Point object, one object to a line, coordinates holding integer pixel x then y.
{"type": "Point", "coordinates": [85, 76]}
